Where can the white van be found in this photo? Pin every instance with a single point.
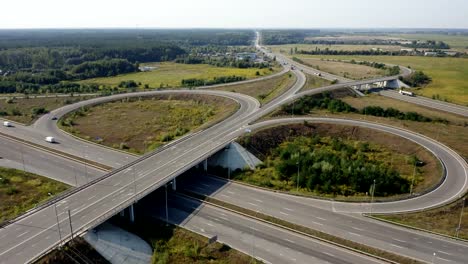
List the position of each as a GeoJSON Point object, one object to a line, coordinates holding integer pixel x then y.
{"type": "Point", "coordinates": [6, 123]}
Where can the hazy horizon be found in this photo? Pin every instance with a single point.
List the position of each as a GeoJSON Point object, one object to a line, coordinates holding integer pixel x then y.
{"type": "Point", "coordinates": [241, 14]}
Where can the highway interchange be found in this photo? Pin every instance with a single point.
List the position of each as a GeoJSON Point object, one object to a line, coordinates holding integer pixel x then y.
{"type": "Point", "coordinates": [36, 232]}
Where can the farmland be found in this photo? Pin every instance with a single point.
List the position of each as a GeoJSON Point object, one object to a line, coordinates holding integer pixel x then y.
{"type": "Point", "coordinates": [170, 75]}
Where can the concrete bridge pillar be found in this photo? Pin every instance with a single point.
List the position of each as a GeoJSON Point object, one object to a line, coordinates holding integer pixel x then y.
{"type": "Point", "coordinates": [122, 213]}
{"type": "Point", "coordinates": [132, 214]}
{"type": "Point", "coordinates": [174, 184]}
{"type": "Point", "coordinates": [205, 165]}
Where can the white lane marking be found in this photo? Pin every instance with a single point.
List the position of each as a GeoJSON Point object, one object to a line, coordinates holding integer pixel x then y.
{"type": "Point", "coordinates": [317, 223]}
{"type": "Point", "coordinates": [283, 213]}
{"type": "Point", "coordinates": [329, 254]}
{"type": "Point", "coordinates": [402, 241]}
{"type": "Point", "coordinates": [448, 260]}
{"type": "Point", "coordinates": [396, 245]}
{"type": "Point", "coordinates": [351, 233]}
{"type": "Point", "coordinates": [252, 204]}
{"type": "Point", "coordinates": [223, 195]}
{"type": "Point", "coordinates": [443, 252]}
{"type": "Point", "coordinates": [323, 219]}
{"type": "Point", "coordinates": [231, 192]}
{"type": "Point", "coordinates": [290, 241]}
{"type": "Point", "coordinates": [224, 218]}
{"type": "Point", "coordinates": [92, 197]}
{"type": "Point", "coordinates": [22, 234]}
{"type": "Point", "coordinates": [260, 201]}
{"type": "Point", "coordinates": [47, 237]}
{"type": "Point", "coordinates": [203, 230]}
{"type": "Point", "coordinates": [355, 228]}
{"type": "Point", "coordinates": [288, 209]}
{"type": "Point", "coordinates": [209, 224]}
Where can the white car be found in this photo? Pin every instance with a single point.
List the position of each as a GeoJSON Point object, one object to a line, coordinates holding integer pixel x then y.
{"type": "Point", "coordinates": [7, 124]}
{"type": "Point", "coordinates": [50, 139]}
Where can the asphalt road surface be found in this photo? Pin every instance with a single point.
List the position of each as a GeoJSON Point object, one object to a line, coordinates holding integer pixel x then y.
{"type": "Point", "coordinates": [263, 241]}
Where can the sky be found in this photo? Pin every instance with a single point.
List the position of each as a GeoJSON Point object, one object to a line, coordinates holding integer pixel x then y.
{"type": "Point", "coordinates": [233, 14]}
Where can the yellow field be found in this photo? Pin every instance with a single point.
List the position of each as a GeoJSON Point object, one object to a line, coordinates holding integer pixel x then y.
{"type": "Point", "coordinates": [169, 74]}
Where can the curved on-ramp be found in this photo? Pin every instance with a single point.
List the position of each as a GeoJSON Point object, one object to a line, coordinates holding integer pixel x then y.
{"type": "Point", "coordinates": [454, 185]}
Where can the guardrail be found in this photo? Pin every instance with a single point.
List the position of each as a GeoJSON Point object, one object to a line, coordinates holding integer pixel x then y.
{"type": "Point", "coordinates": [72, 191]}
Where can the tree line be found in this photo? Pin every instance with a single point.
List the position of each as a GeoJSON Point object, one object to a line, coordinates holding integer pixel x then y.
{"type": "Point", "coordinates": [194, 82]}
{"type": "Point", "coordinates": [306, 104]}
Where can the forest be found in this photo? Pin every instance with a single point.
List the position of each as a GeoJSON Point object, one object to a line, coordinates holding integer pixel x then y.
{"type": "Point", "coordinates": [48, 60]}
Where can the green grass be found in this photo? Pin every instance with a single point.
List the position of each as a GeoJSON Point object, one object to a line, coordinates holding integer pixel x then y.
{"type": "Point", "coordinates": [25, 106]}
{"type": "Point", "coordinates": [265, 90]}
{"type": "Point", "coordinates": [344, 69]}
{"type": "Point", "coordinates": [143, 124]}
{"type": "Point", "coordinates": [21, 191]}
{"type": "Point", "coordinates": [456, 42]}
{"type": "Point", "coordinates": [286, 49]}
{"type": "Point", "coordinates": [313, 82]}
{"type": "Point", "coordinates": [449, 75]}
{"type": "Point", "coordinates": [169, 74]}
{"type": "Point", "coordinates": [443, 220]}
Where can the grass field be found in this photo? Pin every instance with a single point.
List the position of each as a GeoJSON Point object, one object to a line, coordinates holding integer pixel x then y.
{"type": "Point", "coordinates": [392, 150]}
{"type": "Point", "coordinates": [456, 42]}
{"type": "Point", "coordinates": [21, 109]}
{"type": "Point", "coordinates": [449, 75]}
{"type": "Point", "coordinates": [265, 90]}
{"type": "Point", "coordinates": [443, 220]}
{"type": "Point", "coordinates": [286, 49]}
{"type": "Point", "coordinates": [345, 69]}
{"type": "Point", "coordinates": [313, 82]}
{"type": "Point", "coordinates": [144, 124]}
{"type": "Point", "coordinates": [450, 134]}
{"type": "Point", "coordinates": [21, 191]}
{"type": "Point", "coordinates": [169, 74]}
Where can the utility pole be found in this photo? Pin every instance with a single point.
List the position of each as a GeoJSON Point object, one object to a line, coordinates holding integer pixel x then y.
{"type": "Point", "coordinates": [71, 228]}
{"type": "Point", "coordinates": [372, 197]}
{"type": "Point", "coordinates": [461, 216]}
{"type": "Point", "coordinates": [297, 181]}
{"type": "Point", "coordinates": [167, 211]}
{"type": "Point", "coordinates": [76, 179]}
{"type": "Point", "coordinates": [22, 158]}
{"type": "Point", "coordinates": [412, 180]}
{"type": "Point", "coordinates": [58, 225]}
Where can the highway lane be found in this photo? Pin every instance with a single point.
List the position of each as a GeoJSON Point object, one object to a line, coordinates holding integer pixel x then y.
{"type": "Point", "coordinates": [454, 185]}
{"type": "Point", "coordinates": [14, 155]}
{"type": "Point", "coordinates": [271, 244]}
{"type": "Point", "coordinates": [45, 126]}
{"type": "Point", "coordinates": [253, 237]}
{"type": "Point", "coordinates": [100, 201]}
{"type": "Point", "coordinates": [306, 212]}
{"type": "Point", "coordinates": [423, 101]}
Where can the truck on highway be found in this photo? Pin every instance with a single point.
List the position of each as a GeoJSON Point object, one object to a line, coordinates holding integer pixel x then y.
{"type": "Point", "coordinates": [50, 139]}
{"type": "Point", "coordinates": [6, 123]}
{"type": "Point", "coordinates": [406, 93]}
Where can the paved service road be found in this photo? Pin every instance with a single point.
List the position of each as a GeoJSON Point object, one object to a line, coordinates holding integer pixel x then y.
{"type": "Point", "coordinates": [310, 213]}
{"type": "Point", "coordinates": [454, 185]}
{"type": "Point", "coordinates": [264, 241]}
{"type": "Point", "coordinates": [419, 100]}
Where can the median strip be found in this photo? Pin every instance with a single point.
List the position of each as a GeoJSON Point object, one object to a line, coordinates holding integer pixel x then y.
{"type": "Point", "coordinates": [315, 234]}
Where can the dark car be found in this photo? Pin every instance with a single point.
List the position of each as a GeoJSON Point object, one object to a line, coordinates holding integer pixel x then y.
{"type": "Point", "coordinates": [54, 118]}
